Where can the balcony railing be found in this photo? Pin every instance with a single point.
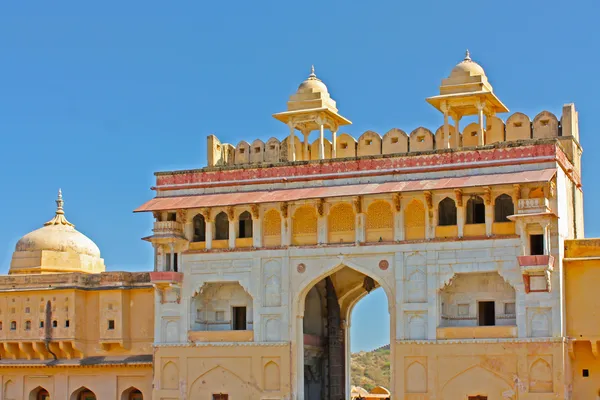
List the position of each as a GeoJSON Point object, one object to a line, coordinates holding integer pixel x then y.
{"type": "Point", "coordinates": [166, 277]}
{"type": "Point", "coordinates": [221, 336]}
{"type": "Point", "coordinates": [168, 227]}
{"type": "Point", "coordinates": [533, 206]}
{"type": "Point", "coordinates": [477, 332]}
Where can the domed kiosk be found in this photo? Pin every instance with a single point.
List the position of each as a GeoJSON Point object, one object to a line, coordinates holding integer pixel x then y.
{"type": "Point", "coordinates": [56, 247]}
{"type": "Point", "coordinates": [466, 92]}
{"type": "Point", "coordinates": [311, 108]}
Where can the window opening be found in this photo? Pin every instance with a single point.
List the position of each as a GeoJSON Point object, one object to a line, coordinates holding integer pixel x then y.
{"type": "Point", "coordinates": [475, 210]}
{"type": "Point", "coordinates": [199, 228]}
{"type": "Point", "coordinates": [172, 216]}
{"type": "Point", "coordinates": [447, 212]}
{"type": "Point", "coordinates": [245, 225]}
{"type": "Point", "coordinates": [239, 318]}
{"type": "Point", "coordinates": [221, 227]}
{"type": "Point", "coordinates": [111, 324]}
{"type": "Point", "coordinates": [220, 396]}
{"type": "Point", "coordinates": [503, 207]}
{"type": "Point", "coordinates": [27, 325]}
{"type": "Point", "coordinates": [536, 245]}
{"type": "Point", "coordinates": [487, 313]}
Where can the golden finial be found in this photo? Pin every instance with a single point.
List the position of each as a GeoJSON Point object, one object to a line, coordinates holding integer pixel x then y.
{"type": "Point", "coordinates": [59, 217]}
{"type": "Point", "coordinates": [312, 72]}
{"type": "Point", "coordinates": [467, 55]}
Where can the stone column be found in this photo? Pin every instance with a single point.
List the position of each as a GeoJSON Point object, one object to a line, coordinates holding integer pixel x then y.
{"type": "Point", "coordinates": [428, 215]}
{"type": "Point", "coordinates": [292, 143]}
{"type": "Point", "coordinates": [155, 246]}
{"type": "Point", "coordinates": [359, 222]}
{"type": "Point", "coordinates": [256, 226]}
{"type": "Point", "coordinates": [306, 152]}
{"type": "Point", "coordinates": [172, 255]}
{"type": "Point", "coordinates": [334, 147]}
{"type": "Point", "coordinates": [286, 225]}
{"type": "Point", "coordinates": [445, 110]}
{"type": "Point", "coordinates": [546, 228]}
{"type": "Point", "coordinates": [489, 210]}
{"type": "Point", "coordinates": [322, 228]}
{"type": "Point", "coordinates": [208, 233]}
{"type": "Point", "coordinates": [457, 130]}
{"type": "Point", "coordinates": [232, 230]}
{"type": "Point", "coordinates": [322, 142]}
{"type": "Point", "coordinates": [489, 219]}
{"type": "Point", "coordinates": [480, 106]}
{"type": "Point", "coordinates": [300, 358]}
{"type": "Point", "coordinates": [398, 218]}
{"type": "Point", "coordinates": [460, 220]}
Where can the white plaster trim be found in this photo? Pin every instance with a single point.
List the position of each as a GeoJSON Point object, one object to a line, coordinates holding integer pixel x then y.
{"type": "Point", "coordinates": [486, 341]}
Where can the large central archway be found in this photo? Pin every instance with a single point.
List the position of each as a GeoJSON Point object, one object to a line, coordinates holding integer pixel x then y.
{"type": "Point", "coordinates": [324, 343]}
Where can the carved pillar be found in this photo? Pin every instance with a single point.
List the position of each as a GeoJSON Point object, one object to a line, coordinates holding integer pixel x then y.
{"type": "Point", "coordinates": [398, 218]}
{"type": "Point", "coordinates": [256, 226]}
{"type": "Point", "coordinates": [546, 228]}
{"type": "Point", "coordinates": [172, 256]}
{"type": "Point", "coordinates": [292, 143]}
{"type": "Point", "coordinates": [232, 233]}
{"type": "Point", "coordinates": [359, 224]}
{"type": "Point", "coordinates": [429, 215]}
{"type": "Point", "coordinates": [335, 344]}
{"type": "Point", "coordinates": [445, 110]}
{"type": "Point", "coordinates": [489, 210]}
{"type": "Point", "coordinates": [334, 143]}
{"type": "Point", "coordinates": [306, 152]}
{"type": "Point", "coordinates": [155, 246]}
{"type": "Point", "coordinates": [480, 106]}
{"type": "Point", "coordinates": [322, 228]}
{"type": "Point", "coordinates": [456, 118]}
{"type": "Point", "coordinates": [208, 228]}
{"type": "Point", "coordinates": [286, 225]}
{"type": "Point", "coordinates": [321, 139]}
{"type": "Point", "coordinates": [460, 212]}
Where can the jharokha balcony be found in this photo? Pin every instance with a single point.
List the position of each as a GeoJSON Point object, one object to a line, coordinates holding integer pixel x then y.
{"type": "Point", "coordinates": [537, 272]}
{"type": "Point", "coordinates": [166, 277]}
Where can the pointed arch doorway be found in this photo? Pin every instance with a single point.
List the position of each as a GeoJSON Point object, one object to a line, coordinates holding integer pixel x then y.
{"type": "Point", "coordinates": [324, 336]}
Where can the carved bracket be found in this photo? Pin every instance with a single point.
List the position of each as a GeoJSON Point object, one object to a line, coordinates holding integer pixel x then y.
{"type": "Point", "coordinates": [458, 193]}
{"type": "Point", "coordinates": [397, 201]}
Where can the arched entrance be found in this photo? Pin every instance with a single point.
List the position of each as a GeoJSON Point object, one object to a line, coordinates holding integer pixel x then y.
{"type": "Point", "coordinates": [324, 337]}
{"type": "Point", "coordinates": [83, 393]}
{"type": "Point", "coordinates": [39, 393]}
{"type": "Point", "coordinates": [132, 394]}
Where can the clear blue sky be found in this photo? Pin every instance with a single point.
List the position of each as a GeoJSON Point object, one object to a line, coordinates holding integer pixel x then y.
{"type": "Point", "coordinates": [96, 96]}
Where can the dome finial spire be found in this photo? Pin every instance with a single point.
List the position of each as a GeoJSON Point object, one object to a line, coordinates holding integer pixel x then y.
{"type": "Point", "coordinates": [59, 217]}
{"type": "Point", "coordinates": [312, 72]}
{"type": "Point", "coordinates": [467, 55]}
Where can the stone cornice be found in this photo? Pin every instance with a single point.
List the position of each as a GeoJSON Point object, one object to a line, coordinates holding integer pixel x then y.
{"type": "Point", "coordinates": [223, 344]}
{"type": "Point", "coordinates": [483, 341]}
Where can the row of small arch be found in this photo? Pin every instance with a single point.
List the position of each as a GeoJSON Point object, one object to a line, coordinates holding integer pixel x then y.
{"type": "Point", "coordinates": [82, 393]}
{"type": "Point", "coordinates": [518, 127]}
{"type": "Point", "coordinates": [379, 215]}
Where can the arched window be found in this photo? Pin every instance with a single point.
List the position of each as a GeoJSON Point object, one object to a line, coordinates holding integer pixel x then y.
{"type": "Point", "coordinates": [503, 208]}
{"type": "Point", "coordinates": [13, 325]}
{"type": "Point", "coordinates": [245, 225]}
{"type": "Point", "coordinates": [447, 212]}
{"type": "Point", "coordinates": [221, 226]}
{"type": "Point", "coordinates": [199, 228]}
{"type": "Point", "coordinates": [475, 210]}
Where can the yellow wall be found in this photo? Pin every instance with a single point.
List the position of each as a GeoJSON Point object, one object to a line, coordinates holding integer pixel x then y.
{"type": "Point", "coordinates": [107, 382]}
{"type": "Point", "coordinates": [246, 372]}
{"type": "Point", "coordinates": [582, 274]}
{"type": "Point", "coordinates": [454, 371]}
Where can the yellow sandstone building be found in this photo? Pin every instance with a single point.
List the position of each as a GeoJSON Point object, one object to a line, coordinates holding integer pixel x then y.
{"type": "Point", "coordinates": [68, 329]}
{"type": "Point", "coordinates": [474, 233]}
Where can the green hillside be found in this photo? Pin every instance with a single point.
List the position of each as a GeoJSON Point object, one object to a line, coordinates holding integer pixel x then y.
{"type": "Point", "coordinates": [371, 368]}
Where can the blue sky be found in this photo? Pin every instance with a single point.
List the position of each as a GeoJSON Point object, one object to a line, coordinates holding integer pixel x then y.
{"type": "Point", "coordinates": [96, 96]}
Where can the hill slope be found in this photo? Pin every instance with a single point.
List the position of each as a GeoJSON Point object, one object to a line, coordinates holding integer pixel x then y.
{"type": "Point", "coordinates": [371, 368]}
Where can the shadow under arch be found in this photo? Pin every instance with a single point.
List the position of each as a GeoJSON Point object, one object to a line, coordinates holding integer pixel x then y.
{"type": "Point", "coordinates": [326, 358]}
{"type": "Point", "coordinates": [39, 393]}
{"type": "Point", "coordinates": [132, 393]}
{"type": "Point", "coordinates": [83, 393]}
